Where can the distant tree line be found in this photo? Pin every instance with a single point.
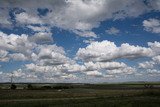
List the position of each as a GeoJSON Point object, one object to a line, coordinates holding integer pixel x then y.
{"type": "Point", "coordinates": [47, 87]}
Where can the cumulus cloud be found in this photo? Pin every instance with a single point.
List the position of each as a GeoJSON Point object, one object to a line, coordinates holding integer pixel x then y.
{"type": "Point", "coordinates": [35, 68]}
{"type": "Point", "coordinates": [155, 4]}
{"type": "Point", "coordinates": [4, 17]}
{"type": "Point", "coordinates": [108, 68]}
{"type": "Point", "coordinates": [44, 57]}
{"type": "Point", "coordinates": [113, 31]}
{"type": "Point", "coordinates": [25, 48]}
{"type": "Point", "coordinates": [152, 25]}
{"type": "Point", "coordinates": [89, 41]}
{"type": "Point", "coordinates": [51, 55]}
{"type": "Point", "coordinates": [39, 28]}
{"type": "Point", "coordinates": [18, 57]}
{"type": "Point", "coordinates": [3, 56]}
{"type": "Point", "coordinates": [106, 51]}
{"type": "Point", "coordinates": [52, 61]}
{"type": "Point", "coordinates": [18, 73]}
{"type": "Point", "coordinates": [122, 71]}
{"type": "Point", "coordinates": [150, 64]}
{"type": "Point", "coordinates": [111, 72]}
{"type": "Point", "coordinates": [25, 18]}
{"type": "Point", "coordinates": [16, 43]}
{"type": "Point", "coordinates": [85, 20]}
{"type": "Point", "coordinates": [4, 77]}
{"type": "Point", "coordinates": [50, 72]}
{"type": "Point", "coordinates": [90, 66]}
{"type": "Point", "coordinates": [94, 73]}
{"type": "Point", "coordinates": [41, 37]}
{"type": "Point", "coordinates": [156, 59]}
{"type": "Point", "coordinates": [147, 64]}
{"type": "Point", "coordinates": [153, 71]}
{"type": "Point", "coordinates": [85, 33]}
{"type": "Point", "coordinates": [73, 68]}
{"type": "Point", "coordinates": [78, 16]}
{"type": "Point", "coordinates": [98, 59]}
{"type": "Point", "coordinates": [155, 46]}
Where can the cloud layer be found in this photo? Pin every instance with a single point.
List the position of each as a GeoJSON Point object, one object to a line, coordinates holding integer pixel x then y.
{"type": "Point", "coordinates": [44, 60]}
{"type": "Point", "coordinates": [79, 16]}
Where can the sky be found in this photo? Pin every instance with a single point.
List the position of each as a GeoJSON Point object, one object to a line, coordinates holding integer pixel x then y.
{"type": "Point", "coordinates": [79, 41]}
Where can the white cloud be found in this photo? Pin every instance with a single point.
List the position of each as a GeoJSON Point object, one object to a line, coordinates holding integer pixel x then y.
{"type": "Point", "coordinates": [147, 65]}
{"type": "Point", "coordinates": [45, 58]}
{"type": "Point", "coordinates": [153, 72]}
{"type": "Point", "coordinates": [90, 69]}
{"type": "Point", "coordinates": [3, 56]}
{"type": "Point", "coordinates": [51, 55]}
{"type": "Point", "coordinates": [25, 18]}
{"type": "Point", "coordinates": [106, 51]}
{"type": "Point", "coordinates": [155, 4]}
{"type": "Point", "coordinates": [131, 51]}
{"type": "Point", "coordinates": [25, 48]}
{"type": "Point", "coordinates": [41, 37]}
{"type": "Point", "coordinates": [18, 73]}
{"type": "Point", "coordinates": [100, 56]}
{"type": "Point", "coordinates": [156, 59]}
{"type": "Point", "coordinates": [150, 64]}
{"type": "Point", "coordinates": [35, 68]}
{"type": "Point", "coordinates": [42, 34]}
{"type": "Point", "coordinates": [113, 31]}
{"type": "Point", "coordinates": [39, 28]}
{"type": "Point", "coordinates": [18, 57]}
{"type": "Point", "coordinates": [50, 72]}
{"type": "Point", "coordinates": [69, 76]}
{"type": "Point", "coordinates": [72, 68]}
{"type": "Point", "coordinates": [21, 75]}
{"type": "Point", "coordinates": [155, 46]}
{"type": "Point", "coordinates": [94, 73]}
{"type": "Point", "coordinates": [152, 25]}
{"type": "Point", "coordinates": [4, 77]}
{"type": "Point", "coordinates": [108, 68]}
{"type": "Point", "coordinates": [87, 15]}
{"type": "Point", "coordinates": [89, 41]}
{"type": "Point", "coordinates": [90, 66]}
{"type": "Point", "coordinates": [122, 71]}
{"type": "Point", "coordinates": [78, 16]}
{"type": "Point", "coordinates": [4, 17]}
{"type": "Point", "coordinates": [16, 43]}
{"type": "Point", "coordinates": [86, 33]}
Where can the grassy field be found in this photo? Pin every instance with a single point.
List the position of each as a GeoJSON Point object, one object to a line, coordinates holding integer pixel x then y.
{"type": "Point", "coordinates": [81, 95]}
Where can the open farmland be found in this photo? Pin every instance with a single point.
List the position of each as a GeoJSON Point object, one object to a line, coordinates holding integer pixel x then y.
{"type": "Point", "coordinates": [78, 95]}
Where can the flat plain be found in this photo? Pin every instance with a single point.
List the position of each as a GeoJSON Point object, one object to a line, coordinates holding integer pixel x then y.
{"type": "Point", "coordinates": [80, 95]}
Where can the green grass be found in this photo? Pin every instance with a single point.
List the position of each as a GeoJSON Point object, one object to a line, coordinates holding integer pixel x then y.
{"type": "Point", "coordinates": [93, 102]}
{"type": "Point", "coordinates": [72, 93]}
{"type": "Point", "coordinates": [95, 95]}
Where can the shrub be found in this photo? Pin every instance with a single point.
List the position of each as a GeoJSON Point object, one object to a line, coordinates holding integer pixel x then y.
{"type": "Point", "coordinates": [62, 87]}
{"type": "Point", "coordinates": [29, 86]}
{"type": "Point", "coordinates": [13, 86]}
{"type": "Point", "coordinates": [46, 87]}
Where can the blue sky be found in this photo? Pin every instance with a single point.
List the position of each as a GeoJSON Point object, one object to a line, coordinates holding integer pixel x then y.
{"type": "Point", "coordinates": [79, 40]}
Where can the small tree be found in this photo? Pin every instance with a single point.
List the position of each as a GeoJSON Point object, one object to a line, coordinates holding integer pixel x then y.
{"type": "Point", "coordinates": [29, 86]}
{"type": "Point", "coordinates": [13, 86]}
